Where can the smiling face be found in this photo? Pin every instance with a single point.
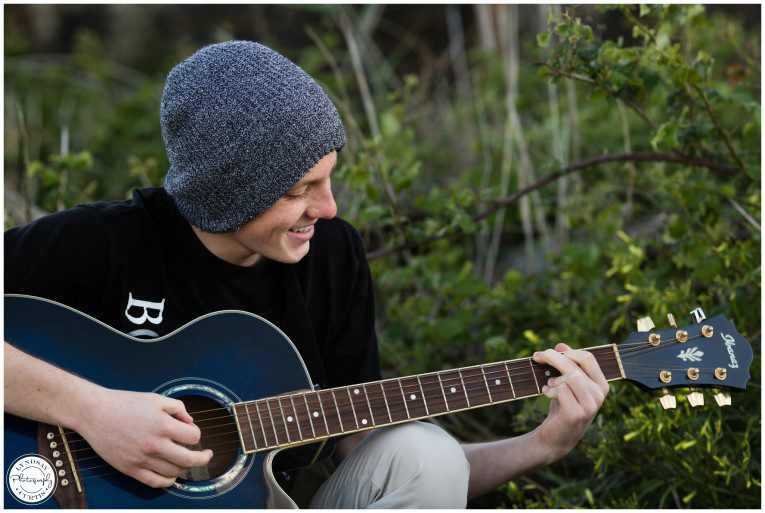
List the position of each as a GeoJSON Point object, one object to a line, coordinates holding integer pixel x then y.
{"type": "Point", "coordinates": [283, 232]}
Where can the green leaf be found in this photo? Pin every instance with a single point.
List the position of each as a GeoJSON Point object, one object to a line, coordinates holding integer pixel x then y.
{"type": "Point", "coordinates": [543, 39]}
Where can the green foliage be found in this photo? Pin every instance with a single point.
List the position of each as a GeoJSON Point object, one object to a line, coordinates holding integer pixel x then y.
{"type": "Point", "coordinates": [643, 238]}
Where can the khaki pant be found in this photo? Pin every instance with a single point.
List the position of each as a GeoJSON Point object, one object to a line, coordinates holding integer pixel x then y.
{"type": "Point", "coordinates": [413, 465]}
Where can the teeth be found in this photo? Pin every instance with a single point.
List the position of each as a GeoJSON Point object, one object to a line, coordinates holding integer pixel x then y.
{"type": "Point", "coordinates": [300, 230]}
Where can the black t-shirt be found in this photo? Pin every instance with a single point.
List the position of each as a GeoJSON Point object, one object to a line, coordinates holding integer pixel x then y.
{"type": "Point", "coordinates": [138, 266]}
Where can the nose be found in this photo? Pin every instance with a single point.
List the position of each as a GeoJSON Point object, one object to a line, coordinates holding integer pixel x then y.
{"type": "Point", "coordinates": [324, 207]}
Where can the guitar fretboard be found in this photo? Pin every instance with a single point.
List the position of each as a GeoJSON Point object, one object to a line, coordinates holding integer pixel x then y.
{"type": "Point", "coordinates": [301, 417]}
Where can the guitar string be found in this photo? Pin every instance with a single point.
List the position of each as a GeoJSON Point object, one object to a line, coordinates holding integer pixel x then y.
{"type": "Point", "coordinates": [374, 397]}
{"type": "Point", "coordinates": [346, 409]}
{"type": "Point", "coordinates": [371, 397]}
{"type": "Point", "coordinates": [234, 440]}
{"type": "Point", "coordinates": [415, 386]}
{"type": "Point", "coordinates": [394, 408]}
{"type": "Point", "coordinates": [606, 349]}
{"type": "Point", "coordinates": [444, 379]}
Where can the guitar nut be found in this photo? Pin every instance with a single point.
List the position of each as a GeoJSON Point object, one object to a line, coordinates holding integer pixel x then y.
{"type": "Point", "coordinates": [693, 373]}
{"type": "Point", "coordinates": [64, 482]}
{"type": "Point", "coordinates": [707, 331]}
{"type": "Point", "coordinates": [681, 336]}
{"type": "Point", "coordinates": [665, 376]}
{"type": "Point", "coordinates": [720, 373]}
{"type": "Point", "coordinates": [654, 339]}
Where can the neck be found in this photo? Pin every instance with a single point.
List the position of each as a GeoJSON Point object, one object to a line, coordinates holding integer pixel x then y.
{"type": "Point", "coordinates": [303, 417]}
{"type": "Point", "coordinates": [225, 247]}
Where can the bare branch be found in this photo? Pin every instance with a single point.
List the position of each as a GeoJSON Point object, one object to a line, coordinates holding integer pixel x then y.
{"type": "Point", "coordinates": [501, 203]}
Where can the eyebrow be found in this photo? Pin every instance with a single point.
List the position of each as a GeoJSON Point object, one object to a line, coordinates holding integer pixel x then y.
{"type": "Point", "coordinates": [331, 174]}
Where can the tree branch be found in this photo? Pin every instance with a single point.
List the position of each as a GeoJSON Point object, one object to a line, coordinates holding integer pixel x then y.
{"type": "Point", "coordinates": [501, 203]}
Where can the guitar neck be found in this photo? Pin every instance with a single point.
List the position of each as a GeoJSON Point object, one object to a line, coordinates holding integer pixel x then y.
{"type": "Point", "coordinates": [304, 417]}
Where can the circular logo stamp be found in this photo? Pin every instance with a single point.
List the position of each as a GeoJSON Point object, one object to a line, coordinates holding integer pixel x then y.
{"type": "Point", "coordinates": [31, 479]}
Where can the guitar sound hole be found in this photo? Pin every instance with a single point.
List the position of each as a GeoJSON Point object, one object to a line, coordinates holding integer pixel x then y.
{"type": "Point", "coordinates": [219, 434]}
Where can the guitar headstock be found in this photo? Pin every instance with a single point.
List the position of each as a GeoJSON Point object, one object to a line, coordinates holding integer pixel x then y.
{"type": "Point", "coordinates": [709, 353]}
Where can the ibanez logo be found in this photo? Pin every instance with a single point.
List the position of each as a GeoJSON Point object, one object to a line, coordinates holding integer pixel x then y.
{"type": "Point", "coordinates": [729, 343]}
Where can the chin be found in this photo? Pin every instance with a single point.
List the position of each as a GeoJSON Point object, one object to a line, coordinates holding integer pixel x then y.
{"type": "Point", "coordinates": [296, 255]}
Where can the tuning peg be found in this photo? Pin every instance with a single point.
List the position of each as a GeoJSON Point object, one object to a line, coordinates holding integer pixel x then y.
{"type": "Point", "coordinates": [722, 399]}
{"type": "Point", "coordinates": [695, 398]}
{"type": "Point", "coordinates": [697, 315]}
{"type": "Point", "coordinates": [667, 400]}
{"type": "Point", "coordinates": [645, 324]}
{"type": "Point", "coordinates": [672, 322]}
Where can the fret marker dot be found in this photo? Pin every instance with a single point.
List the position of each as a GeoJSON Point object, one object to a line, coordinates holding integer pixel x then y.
{"type": "Point", "coordinates": [316, 414]}
{"type": "Point", "coordinates": [356, 391]}
{"type": "Point", "coordinates": [452, 390]}
{"type": "Point", "coordinates": [412, 397]}
{"type": "Point", "coordinates": [497, 382]}
{"type": "Point", "coordinates": [289, 419]}
{"type": "Point", "coordinates": [364, 421]}
{"type": "Point", "coordinates": [547, 373]}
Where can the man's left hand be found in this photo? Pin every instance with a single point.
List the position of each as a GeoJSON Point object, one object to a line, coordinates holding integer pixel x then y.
{"type": "Point", "coordinates": [576, 394]}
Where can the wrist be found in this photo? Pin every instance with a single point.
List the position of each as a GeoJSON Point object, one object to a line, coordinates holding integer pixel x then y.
{"type": "Point", "coordinates": [87, 397]}
{"type": "Point", "coordinates": [550, 453]}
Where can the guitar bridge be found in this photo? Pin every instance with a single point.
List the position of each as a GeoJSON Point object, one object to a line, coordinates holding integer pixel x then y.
{"type": "Point", "coordinates": [53, 443]}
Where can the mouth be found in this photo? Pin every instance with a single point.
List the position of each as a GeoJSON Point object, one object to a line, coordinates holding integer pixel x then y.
{"type": "Point", "coordinates": [300, 234]}
{"type": "Point", "coordinates": [302, 229]}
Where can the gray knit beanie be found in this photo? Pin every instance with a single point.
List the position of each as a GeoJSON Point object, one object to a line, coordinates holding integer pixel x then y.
{"type": "Point", "coordinates": [241, 124]}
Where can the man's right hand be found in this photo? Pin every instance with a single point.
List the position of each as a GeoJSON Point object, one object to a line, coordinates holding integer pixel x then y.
{"type": "Point", "coordinates": [136, 433]}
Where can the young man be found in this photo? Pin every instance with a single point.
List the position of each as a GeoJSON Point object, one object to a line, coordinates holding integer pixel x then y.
{"type": "Point", "coordinates": [246, 220]}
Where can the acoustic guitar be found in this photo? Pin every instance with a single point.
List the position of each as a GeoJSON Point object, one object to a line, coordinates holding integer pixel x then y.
{"type": "Point", "coordinates": [249, 392]}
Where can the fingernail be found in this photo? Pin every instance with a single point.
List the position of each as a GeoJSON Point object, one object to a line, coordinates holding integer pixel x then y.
{"type": "Point", "coordinates": [536, 354]}
{"type": "Point", "coordinates": [544, 389]}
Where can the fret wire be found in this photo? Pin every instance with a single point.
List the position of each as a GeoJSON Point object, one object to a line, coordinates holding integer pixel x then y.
{"type": "Point", "coordinates": [510, 380]}
{"type": "Point", "coordinates": [446, 403]}
{"type": "Point", "coordinates": [424, 401]}
{"type": "Point", "coordinates": [459, 371]}
{"type": "Point", "coordinates": [353, 409]}
{"type": "Point", "coordinates": [487, 384]}
{"type": "Point", "coordinates": [531, 364]}
{"type": "Point", "coordinates": [273, 423]}
{"type": "Point", "coordinates": [286, 429]}
{"type": "Point", "coordinates": [249, 419]}
{"type": "Point", "coordinates": [308, 412]}
{"type": "Point", "coordinates": [262, 428]}
{"type": "Point", "coordinates": [606, 352]}
{"type": "Point", "coordinates": [385, 399]}
{"type": "Point", "coordinates": [505, 371]}
{"type": "Point", "coordinates": [338, 409]}
{"type": "Point", "coordinates": [297, 421]}
{"type": "Point", "coordinates": [371, 413]}
{"type": "Point", "coordinates": [323, 413]}
{"type": "Point", "coordinates": [531, 395]}
{"type": "Point", "coordinates": [403, 397]}
{"type": "Point", "coordinates": [609, 360]}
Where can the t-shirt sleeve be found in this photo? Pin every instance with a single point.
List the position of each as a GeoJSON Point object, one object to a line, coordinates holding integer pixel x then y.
{"type": "Point", "coordinates": [62, 256]}
{"type": "Point", "coordinates": [353, 357]}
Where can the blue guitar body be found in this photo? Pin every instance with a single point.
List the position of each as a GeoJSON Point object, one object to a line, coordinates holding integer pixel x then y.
{"type": "Point", "coordinates": [216, 360]}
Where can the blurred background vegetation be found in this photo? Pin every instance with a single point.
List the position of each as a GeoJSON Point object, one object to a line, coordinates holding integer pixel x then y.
{"type": "Point", "coordinates": [522, 175]}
